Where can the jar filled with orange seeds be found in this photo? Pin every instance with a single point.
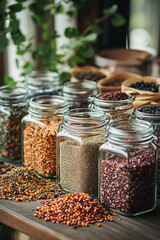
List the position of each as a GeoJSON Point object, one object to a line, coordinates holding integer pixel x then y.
{"type": "Point", "coordinates": [39, 130]}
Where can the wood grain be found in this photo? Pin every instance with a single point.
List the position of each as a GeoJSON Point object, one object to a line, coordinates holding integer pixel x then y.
{"type": "Point", "coordinates": [19, 215]}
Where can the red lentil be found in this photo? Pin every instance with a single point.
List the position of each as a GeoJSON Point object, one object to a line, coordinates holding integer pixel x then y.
{"type": "Point", "coordinates": [74, 209]}
{"type": "Point", "coordinates": [22, 184]}
{"type": "Point", "coordinates": [114, 96]}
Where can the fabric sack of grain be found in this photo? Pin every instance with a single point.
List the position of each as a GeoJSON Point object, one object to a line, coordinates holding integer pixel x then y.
{"type": "Point", "coordinates": [88, 73]}
{"type": "Point", "coordinates": [114, 81]}
{"type": "Point", "coordinates": [141, 97]}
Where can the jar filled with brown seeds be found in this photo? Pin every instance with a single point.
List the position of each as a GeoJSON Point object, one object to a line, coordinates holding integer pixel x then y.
{"type": "Point", "coordinates": [13, 107]}
{"type": "Point", "coordinates": [39, 129]}
{"type": "Point", "coordinates": [78, 141]}
{"type": "Point", "coordinates": [128, 168]}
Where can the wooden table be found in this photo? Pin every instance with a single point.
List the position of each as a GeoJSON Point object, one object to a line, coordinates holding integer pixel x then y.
{"type": "Point", "coordinates": [19, 215]}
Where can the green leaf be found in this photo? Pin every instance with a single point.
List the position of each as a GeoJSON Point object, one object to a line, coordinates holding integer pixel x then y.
{"type": "Point", "coordinates": [92, 37]}
{"type": "Point", "coordinates": [14, 24]}
{"type": "Point", "coordinates": [70, 13]}
{"type": "Point", "coordinates": [71, 32]}
{"type": "Point", "coordinates": [28, 67]}
{"type": "Point", "coordinates": [60, 9]}
{"type": "Point", "coordinates": [86, 51]}
{"type": "Point", "coordinates": [65, 77]}
{"type": "Point", "coordinates": [2, 5]}
{"type": "Point", "coordinates": [36, 19]}
{"type": "Point", "coordinates": [21, 1]}
{"type": "Point", "coordinates": [78, 3]}
{"type": "Point", "coordinates": [17, 37]}
{"type": "Point", "coordinates": [49, 57]}
{"type": "Point", "coordinates": [96, 29]}
{"type": "Point", "coordinates": [118, 20]}
{"type": "Point", "coordinates": [53, 44]}
{"type": "Point", "coordinates": [3, 44]}
{"type": "Point", "coordinates": [110, 11]}
{"type": "Point", "coordinates": [17, 7]}
{"type": "Point", "coordinates": [17, 63]}
{"type": "Point", "coordinates": [76, 59]}
{"type": "Point", "coordinates": [49, 7]}
{"type": "Point", "coordinates": [46, 34]}
{"type": "Point", "coordinates": [9, 81]}
{"type": "Point", "coordinates": [72, 45]}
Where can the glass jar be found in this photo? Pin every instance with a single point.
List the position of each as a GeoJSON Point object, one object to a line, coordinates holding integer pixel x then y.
{"type": "Point", "coordinates": [82, 132]}
{"type": "Point", "coordinates": [128, 168]}
{"type": "Point", "coordinates": [42, 83]}
{"type": "Point", "coordinates": [116, 110]}
{"type": "Point", "coordinates": [78, 93]}
{"type": "Point", "coordinates": [39, 129]}
{"type": "Point", "coordinates": [13, 107]}
{"type": "Point", "coordinates": [142, 113]}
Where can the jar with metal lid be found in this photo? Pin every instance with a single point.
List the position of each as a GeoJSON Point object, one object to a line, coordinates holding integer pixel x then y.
{"type": "Point", "coordinates": [13, 107]}
{"type": "Point", "coordinates": [39, 129]}
{"type": "Point", "coordinates": [42, 83]}
{"type": "Point", "coordinates": [81, 134]}
{"type": "Point", "coordinates": [117, 105]}
{"type": "Point", "coordinates": [151, 113]}
{"type": "Point", "coordinates": [128, 168]}
{"type": "Point", "coordinates": [78, 93]}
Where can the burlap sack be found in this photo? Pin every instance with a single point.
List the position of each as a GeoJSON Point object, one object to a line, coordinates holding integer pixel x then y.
{"type": "Point", "coordinates": [85, 71]}
{"type": "Point", "coordinates": [141, 97]}
{"type": "Point", "coordinates": [114, 81]}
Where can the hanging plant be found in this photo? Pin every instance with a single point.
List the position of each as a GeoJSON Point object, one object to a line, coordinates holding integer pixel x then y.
{"type": "Point", "coordinates": [46, 52]}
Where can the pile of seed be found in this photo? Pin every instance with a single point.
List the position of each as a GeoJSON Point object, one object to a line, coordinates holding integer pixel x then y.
{"type": "Point", "coordinates": [150, 109]}
{"type": "Point", "coordinates": [146, 86]}
{"type": "Point", "coordinates": [89, 75]}
{"type": "Point", "coordinates": [74, 209]}
{"type": "Point", "coordinates": [22, 184]}
{"type": "Point", "coordinates": [4, 168]}
{"type": "Point", "coordinates": [114, 96]}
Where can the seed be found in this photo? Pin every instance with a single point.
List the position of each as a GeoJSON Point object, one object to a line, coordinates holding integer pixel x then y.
{"type": "Point", "coordinates": [72, 210]}
{"type": "Point", "coordinates": [114, 96]}
{"type": "Point", "coordinates": [22, 184]}
{"type": "Point", "coordinates": [39, 145]}
{"type": "Point", "coordinates": [79, 164]}
{"type": "Point", "coordinates": [127, 184]}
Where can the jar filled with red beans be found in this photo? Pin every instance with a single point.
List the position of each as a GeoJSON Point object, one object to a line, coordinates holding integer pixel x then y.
{"type": "Point", "coordinates": [117, 105]}
{"type": "Point", "coordinates": [39, 130]}
{"type": "Point", "coordinates": [78, 93]}
{"type": "Point", "coordinates": [128, 168]}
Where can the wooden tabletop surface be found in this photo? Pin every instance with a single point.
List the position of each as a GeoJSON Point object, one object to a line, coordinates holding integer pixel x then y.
{"type": "Point", "coordinates": [19, 215]}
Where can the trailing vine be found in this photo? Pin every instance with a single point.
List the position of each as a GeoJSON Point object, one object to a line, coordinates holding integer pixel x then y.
{"type": "Point", "coordinates": [46, 52]}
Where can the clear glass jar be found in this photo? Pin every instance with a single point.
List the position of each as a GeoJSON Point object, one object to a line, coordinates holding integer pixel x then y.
{"type": "Point", "coordinates": [128, 168]}
{"type": "Point", "coordinates": [39, 129]}
{"type": "Point", "coordinates": [116, 110]}
{"type": "Point", "coordinates": [42, 83]}
{"type": "Point", "coordinates": [78, 93]}
{"type": "Point", "coordinates": [155, 119]}
{"type": "Point", "coordinates": [13, 107]}
{"type": "Point", "coordinates": [82, 132]}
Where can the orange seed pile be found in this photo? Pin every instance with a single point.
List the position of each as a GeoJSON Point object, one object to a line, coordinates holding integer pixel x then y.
{"type": "Point", "coordinates": [74, 209]}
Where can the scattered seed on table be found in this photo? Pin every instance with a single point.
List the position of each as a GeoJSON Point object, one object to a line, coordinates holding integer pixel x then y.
{"type": "Point", "coordinates": [22, 184]}
{"type": "Point", "coordinates": [74, 209]}
{"type": "Point", "coordinates": [4, 168]}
